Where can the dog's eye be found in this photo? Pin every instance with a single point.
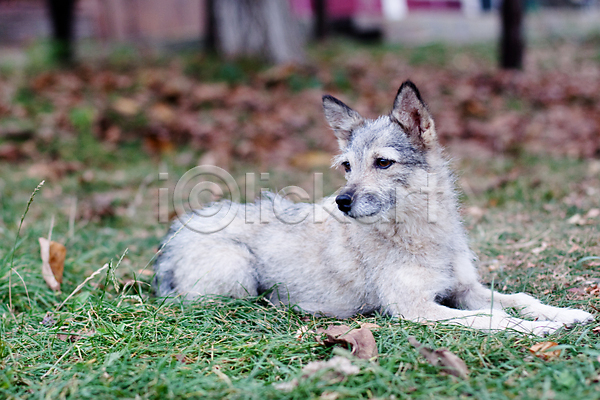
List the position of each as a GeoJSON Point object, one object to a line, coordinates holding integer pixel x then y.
{"type": "Point", "coordinates": [346, 166]}
{"type": "Point", "coordinates": [383, 163]}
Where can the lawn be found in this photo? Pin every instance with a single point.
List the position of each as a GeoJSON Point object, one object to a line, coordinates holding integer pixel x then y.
{"type": "Point", "coordinates": [525, 148]}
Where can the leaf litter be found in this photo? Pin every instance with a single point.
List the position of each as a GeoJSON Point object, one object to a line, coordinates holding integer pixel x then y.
{"type": "Point", "coordinates": [543, 350]}
{"type": "Point", "coordinates": [361, 340]}
{"type": "Point", "coordinates": [332, 371]}
{"type": "Point", "coordinates": [267, 120]}
{"type": "Point", "coordinates": [53, 262]}
{"type": "Point", "coordinates": [449, 361]}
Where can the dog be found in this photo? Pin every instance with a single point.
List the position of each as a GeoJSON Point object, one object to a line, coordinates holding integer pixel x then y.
{"type": "Point", "coordinates": [391, 241]}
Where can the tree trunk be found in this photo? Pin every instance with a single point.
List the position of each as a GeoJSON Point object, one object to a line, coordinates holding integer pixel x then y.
{"type": "Point", "coordinates": [320, 17]}
{"type": "Point", "coordinates": [511, 42]}
{"type": "Point", "coordinates": [258, 28]}
{"type": "Point", "coordinates": [210, 40]}
{"type": "Point", "coordinates": [62, 17]}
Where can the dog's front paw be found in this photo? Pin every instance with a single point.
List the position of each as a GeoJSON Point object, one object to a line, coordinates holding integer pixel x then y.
{"type": "Point", "coordinates": [571, 316]}
{"type": "Point", "coordinates": [538, 328]}
{"type": "Point", "coordinates": [543, 328]}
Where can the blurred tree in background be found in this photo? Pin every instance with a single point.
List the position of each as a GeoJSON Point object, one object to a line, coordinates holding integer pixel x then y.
{"type": "Point", "coordinates": [511, 40]}
{"type": "Point", "coordinates": [263, 28]}
{"type": "Point", "coordinates": [62, 18]}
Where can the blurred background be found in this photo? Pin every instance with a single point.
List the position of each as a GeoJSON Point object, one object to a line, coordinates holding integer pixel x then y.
{"type": "Point", "coordinates": [100, 95]}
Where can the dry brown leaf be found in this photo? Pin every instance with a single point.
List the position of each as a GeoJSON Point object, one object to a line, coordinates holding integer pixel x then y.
{"type": "Point", "coordinates": [217, 371]}
{"type": "Point", "coordinates": [126, 107]}
{"type": "Point", "coordinates": [300, 333]}
{"type": "Point", "coordinates": [338, 364]}
{"type": "Point", "coordinates": [538, 250]}
{"type": "Point", "coordinates": [73, 337]}
{"type": "Point", "coordinates": [163, 113]}
{"type": "Point", "coordinates": [53, 262]}
{"type": "Point", "coordinates": [594, 290]}
{"type": "Point", "coordinates": [210, 92]}
{"type": "Point", "coordinates": [100, 205]}
{"type": "Point", "coordinates": [335, 370]}
{"type": "Point", "coordinates": [541, 350]}
{"type": "Point", "coordinates": [182, 358]}
{"type": "Point", "coordinates": [449, 361]}
{"type": "Point", "coordinates": [368, 325]}
{"type": "Point", "coordinates": [361, 340]}
{"type": "Point", "coordinates": [593, 213]}
{"type": "Point", "coordinates": [48, 320]}
{"type": "Point", "coordinates": [55, 169]}
{"type": "Point", "coordinates": [11, 152]}
{"type": "Point", "coordinates": [329, 395]}
{"type": "Point", "coordinates": [576, 219]}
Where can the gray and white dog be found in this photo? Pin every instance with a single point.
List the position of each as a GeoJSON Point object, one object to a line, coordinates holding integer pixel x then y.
{"type": "Point", "coordinates": [393, 243]}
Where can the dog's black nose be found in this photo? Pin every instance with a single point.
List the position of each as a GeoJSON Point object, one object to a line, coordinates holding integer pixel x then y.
{"type": "Point", "coordinates": [344, 202]}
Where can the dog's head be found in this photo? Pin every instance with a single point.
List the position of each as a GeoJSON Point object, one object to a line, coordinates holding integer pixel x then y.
{"type": "Point", "coordinates": [383, 158]}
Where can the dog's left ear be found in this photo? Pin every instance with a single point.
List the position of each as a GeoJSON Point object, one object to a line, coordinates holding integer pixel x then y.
{"type": "Point", "coordinates": [411, 113]}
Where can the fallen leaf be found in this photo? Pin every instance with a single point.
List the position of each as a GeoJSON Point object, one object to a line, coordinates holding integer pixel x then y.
{"type": "Point", "coordinates": [73, 337]}
{"type": "Point", "coordinates": [337, 364]}
{"type": "Point", "coordinates": [101, 205]}
{"type": "Point", "coordinates": [593, 213]}
{"type": "Point", "coordinates": [576, 219]}
{"type": "Point", "coordinates": [11, 152]}
{"type": "Point", "coordinates": [217, 371]}
{"type": "Point", "coordinates": [181, 358]}
{"type": "Point", "coordinates": [210, 92]}
{"type": "Point", "coordinates": [53, 262]}
{"type": "Point", "coordinates": [578, 291]}
{"type": "Point", "coordinates": [158, 144]}
{"type": "Point", "coordinates": [538, 250]}
{"type": "Point", "coordinates": [126, 107]}
{"type": "Point", "coordinates": [63, 336]}
{"type": "Point", "coordinates": [369, 325]}
{"type": "Point", "coordinates": [335, 370]}
{"type": "Point", "coordinates": [48, 320]}
{"type": "Point", "coordinates": [541, 350]}
{"type": "Point", "coordinates": [299, 334]}
{"type": "Point", "coordinates": [449, 361]}
{"type": "Point", "coordinates": [53, 169]}
{"type": "Point", "coordinates": [475, 212]}
{"type": "Point", "coordinates": [594, 290]}
{"type": "Point", "coordinates": [161, 112]}
{"type": "Point", "coordinates": [361, 340]}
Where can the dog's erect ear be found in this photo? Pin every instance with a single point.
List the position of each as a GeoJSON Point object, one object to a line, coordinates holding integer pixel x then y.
{"type": "Point", "coordinates": [411, 113]}
{"type": "Point", "coordinates": [341, 118]}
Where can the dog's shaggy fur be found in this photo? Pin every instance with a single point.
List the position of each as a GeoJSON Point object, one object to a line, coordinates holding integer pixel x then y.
{"type": "Point", "coordinates": [394, 243]}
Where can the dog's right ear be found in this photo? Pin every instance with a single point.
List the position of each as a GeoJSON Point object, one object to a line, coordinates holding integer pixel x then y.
{"type": "Point", "coordinates": [341, 118]}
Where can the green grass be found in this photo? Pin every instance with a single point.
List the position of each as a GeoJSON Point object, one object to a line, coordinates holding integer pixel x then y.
{"type": "Point", "coordinates": [132, 344]}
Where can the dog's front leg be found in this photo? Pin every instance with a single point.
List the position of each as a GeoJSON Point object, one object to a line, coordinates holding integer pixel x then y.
{"type": "Point", "coordinates": [486, 320]}
{"type": "Point", "coordinates": [411, 292]}
{"type": "Point", "coordinates": [472, 295]}
{"type": "Point", "coordinates": [530, 307]}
